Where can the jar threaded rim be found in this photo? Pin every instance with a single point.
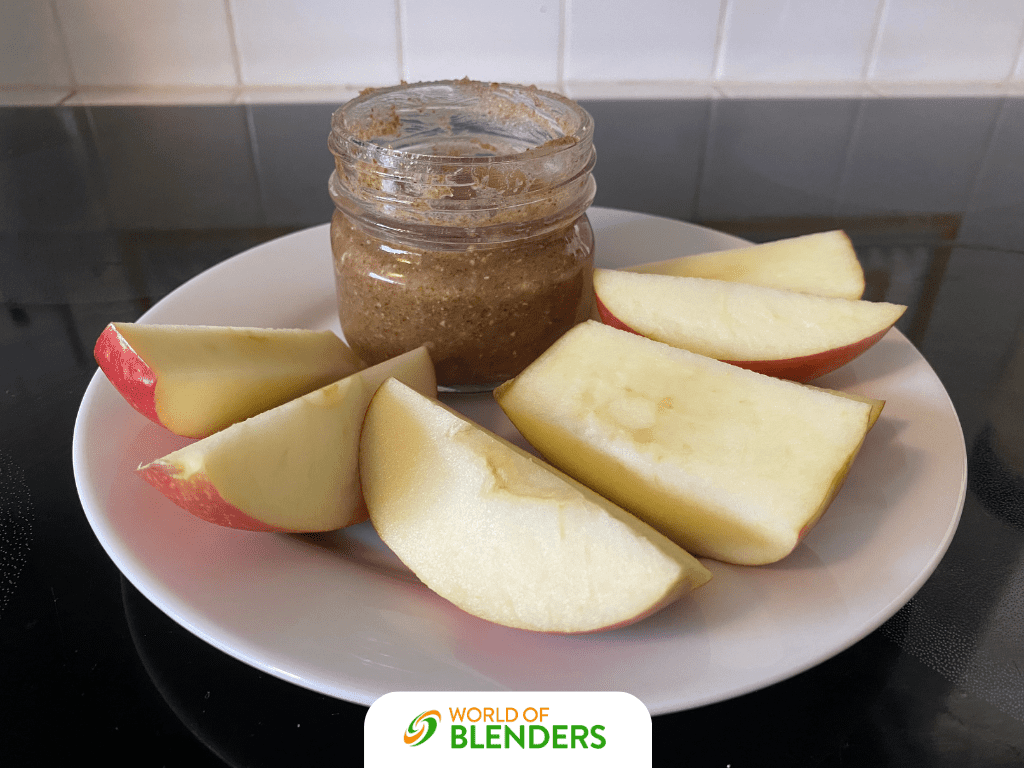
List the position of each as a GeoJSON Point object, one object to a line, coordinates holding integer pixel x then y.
{"type": "Point", "coordinates": [461, 155]}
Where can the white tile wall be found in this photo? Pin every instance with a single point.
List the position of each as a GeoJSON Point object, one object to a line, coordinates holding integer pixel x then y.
{"type": "Point", "coordinates": [250, 50]}
{"type": "Point", "coordinates": [323, 43]}
{"type": "Point", "coordinates": [515, 40]}
{"type": "Point", "coordinates": [771, 41]}
{"type": "Point", "coordinates": [111, 43]}
{"type": "Point", "coordinates": [641, 40]}
{"type": "Point", "coordinates": [31, 49]}
{"type": "Point", "coordinates": [931, 40]}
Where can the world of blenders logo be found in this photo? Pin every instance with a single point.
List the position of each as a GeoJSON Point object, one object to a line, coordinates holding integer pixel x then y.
{"type": "Point", "coordinates": [422, 728]}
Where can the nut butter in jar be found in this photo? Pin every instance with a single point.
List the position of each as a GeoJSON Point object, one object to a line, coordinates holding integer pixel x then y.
{"type": "Point", "coordinates": [461, 224]}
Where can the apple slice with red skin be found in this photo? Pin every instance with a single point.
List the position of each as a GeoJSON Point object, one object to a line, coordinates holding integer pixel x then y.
{"type": "Point", "coordinates": [195, 380]}
{"type": "Point", "coordinates": [291, 468]}
{"type": "Point", "coordinates": [503, 535]}
{"type": "Point", "coordinates": [784, 334]}
{"type": "Point", "coordinates": [822, 263]}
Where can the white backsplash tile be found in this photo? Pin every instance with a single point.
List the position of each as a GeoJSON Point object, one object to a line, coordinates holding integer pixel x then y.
{"type": "Point", "coordinates": [514, 41]}
{"type": "Point", "coordinates": [169, 43]}
{"type": "Point", "coordinates": [827, 40]}
{"type": "Point", "coordinates": [316, 42]}
{"type": "Point", "coordinates": [613, 41]}
{"type": "Point", "coordinates": [927, 40]}
{"type": "Point", "coordinates": [31, 49]}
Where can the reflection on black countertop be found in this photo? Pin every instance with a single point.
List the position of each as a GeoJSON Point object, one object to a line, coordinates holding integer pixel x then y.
{"type": "Point", "coordinates": [104, 210]}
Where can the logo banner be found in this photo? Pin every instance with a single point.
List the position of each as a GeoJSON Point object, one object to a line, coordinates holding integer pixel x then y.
{"type": "Point", "coordinates": [505, 727]}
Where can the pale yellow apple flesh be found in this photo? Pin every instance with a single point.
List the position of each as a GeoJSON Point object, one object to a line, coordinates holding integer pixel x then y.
{"type": "Point", "coordinates": [781, 333]}
{"type": "Point", "coordinates": [728, 463]}
{"type": "Point", "coordinates": [823, 263]}
{"type": "Point", "coordinates": [291, 468]}
{"type": "Point", "coordinates": [501, 534]}
{"type": "Point", "coordinates": [196, 380]}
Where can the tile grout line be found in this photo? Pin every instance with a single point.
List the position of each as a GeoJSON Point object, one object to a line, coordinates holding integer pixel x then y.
{"type": "Point", "coordinates": [236, 58]}
{"type": "Point", "coordinates": [400, 39]}
{"type": "Point", "coordinates": [871, 61]}
{"type": "Point", "coordinates": [564, 13]}
{"type": "Point", "coordinates": [250, 124]}
{"type": "Point", "coordinates": [1018, 62]}
{"type": "Point", "coordinates": [662, 90]}
{"type": "Point", "coordinates": [718, 64]}
{"type": "Point", "coordinates": [65, 51]}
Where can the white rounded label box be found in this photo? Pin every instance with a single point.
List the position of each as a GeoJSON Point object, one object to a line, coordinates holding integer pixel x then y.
{"type": "Point", "coordinates": [484, 728]}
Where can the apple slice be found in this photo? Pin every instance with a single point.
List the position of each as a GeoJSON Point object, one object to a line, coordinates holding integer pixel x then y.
{"type": "Point", "coordinates": [292, 468]}
{"type": "Point", "coordinates": [780, 333]}
{"type": "Point", "coordinates": [728, 463]}
{"type": "Point", "coordinates": [501, 534]}
{"type": "Point", "coordinates": [823, 263]}
{"type": "Point", "coordinates": [195, 380]}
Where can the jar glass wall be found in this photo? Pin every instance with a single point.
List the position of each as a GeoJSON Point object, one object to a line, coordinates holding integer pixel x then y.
{"type": "Point", "coordinates": [461, 224]}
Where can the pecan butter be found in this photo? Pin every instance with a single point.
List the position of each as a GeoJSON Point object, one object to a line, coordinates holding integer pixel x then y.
{"type": "Point", "coordinates": [484, 313]}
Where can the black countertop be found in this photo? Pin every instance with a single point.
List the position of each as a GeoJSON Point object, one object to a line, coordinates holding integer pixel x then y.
{"type": "Point", "coordinates": [104, 210]}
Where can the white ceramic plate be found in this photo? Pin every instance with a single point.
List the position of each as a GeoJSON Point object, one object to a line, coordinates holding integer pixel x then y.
{"type": "Point", "coordinates": [339, 614]}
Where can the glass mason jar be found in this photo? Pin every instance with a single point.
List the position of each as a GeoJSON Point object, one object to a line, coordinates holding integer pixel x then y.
{"type": "Point", "coordinates": [461, 224]}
